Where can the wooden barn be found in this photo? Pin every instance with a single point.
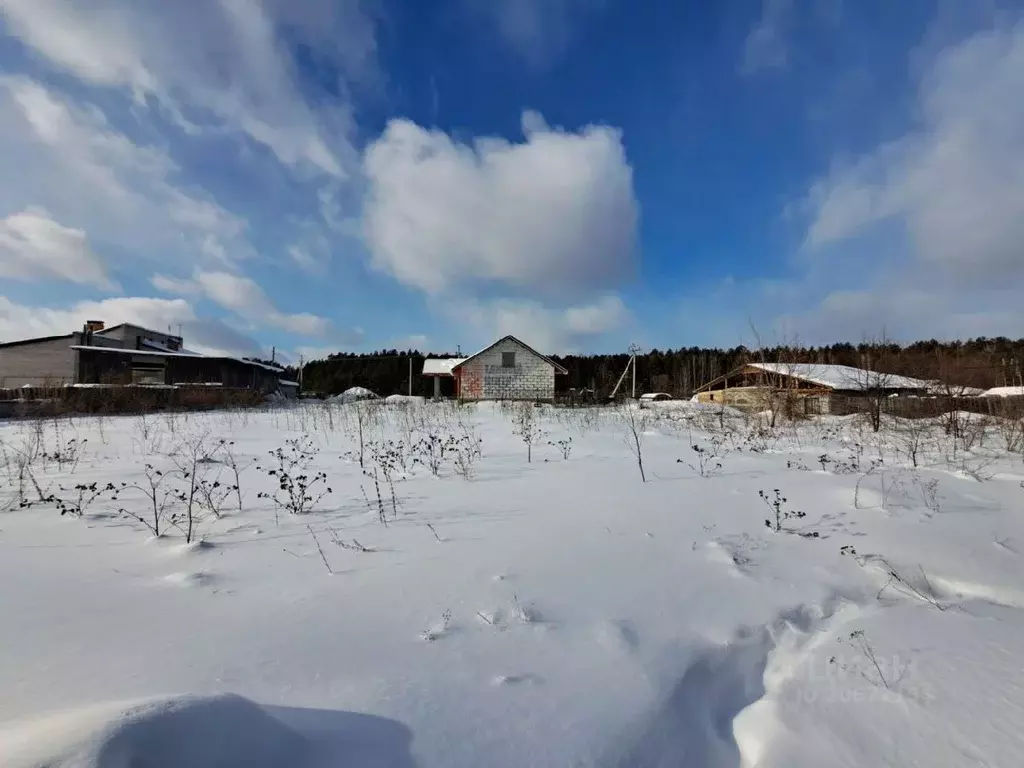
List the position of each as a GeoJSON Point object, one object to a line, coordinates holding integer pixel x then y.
{"type": "Point", "coordinates": [808, 388]}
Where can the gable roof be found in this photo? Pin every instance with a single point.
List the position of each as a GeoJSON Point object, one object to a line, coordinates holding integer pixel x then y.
{"type": "Point", "coordinates": [827, 375]}
{"type": "Point", "coordinates": [841, 376]}
{"type": "Point", "coordinates": [558, 369]}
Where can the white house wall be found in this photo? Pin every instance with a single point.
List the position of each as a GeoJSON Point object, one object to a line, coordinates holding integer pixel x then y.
{"type": "Point", "coordinates": [484, 378]}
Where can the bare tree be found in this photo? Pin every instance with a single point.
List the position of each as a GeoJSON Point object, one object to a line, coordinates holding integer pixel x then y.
{"type": "Point", "coordinates": [871, 379]}
{"type": "Point", "coordinates": [954, 383]}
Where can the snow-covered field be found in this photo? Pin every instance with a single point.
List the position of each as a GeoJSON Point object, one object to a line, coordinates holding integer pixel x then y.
{"type": "Point", "coordinates": [559, 612]}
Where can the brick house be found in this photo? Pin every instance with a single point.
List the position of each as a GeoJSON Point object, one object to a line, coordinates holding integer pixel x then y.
{"type": "Point", "coordinates": [506, 370]}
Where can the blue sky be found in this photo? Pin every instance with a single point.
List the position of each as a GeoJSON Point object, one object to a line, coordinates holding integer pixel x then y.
{"type": "Point", "coordinates": [320, 175]}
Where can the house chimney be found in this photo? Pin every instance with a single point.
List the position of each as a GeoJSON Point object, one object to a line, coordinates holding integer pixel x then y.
{"type": "Point", "coordinates": [91, 326]}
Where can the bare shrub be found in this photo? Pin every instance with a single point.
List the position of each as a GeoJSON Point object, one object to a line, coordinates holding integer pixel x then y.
{"type": "Point", "coordinates": [896, 580]}
{"type": "Point", "coordinates": [778, 506]}
{"type": "Point", "coordinates": [226, 453]}
{"type": "Point", "coordinates": [709, 458]}
{"type": "Point", "coordinates": [67, 455]}
{"type": "Point", "coordinates": [564, 446]}
{"type": "Point", "coordinates": [158, 495]}
{"type": "Point", "coordinates": [635, 421]}
{"type": "Point", "coordinates": [912, 436]}
{"type": "Point", "coordinates": [1011, 430]}
{"type": "Point", "coordinates": [430, 451]}
{"type": "Point", "coordinates": [299, 487]}
{"type": "Point", "coordinates": [527, 426]}
{"type": "Point", "coordinates": [386, 458]}
{"type": "Point", "coordinates": [365, 416]}
{"type": "Point", "coordinates": [198, 492]}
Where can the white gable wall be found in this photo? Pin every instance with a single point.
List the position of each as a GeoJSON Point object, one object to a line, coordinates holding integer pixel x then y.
{"type": "Point", "coordinates": [484, 378]}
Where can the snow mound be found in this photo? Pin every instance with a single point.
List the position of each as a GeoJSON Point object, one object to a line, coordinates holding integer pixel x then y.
{"type": "Point", "coordinates": [691, 407]}
{"type": "Point", "coordinates": [191, 732]}
{"type": "Point", "coordinates": [404, 400]}
{"type": "Point", "coordinates": [354, 394]}
{"type": "Point", "coordinates": [189, 578]}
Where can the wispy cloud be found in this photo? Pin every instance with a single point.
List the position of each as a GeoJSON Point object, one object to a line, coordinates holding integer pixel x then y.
{"type": "Point", "coordinates": [245, 298]}
{"type": "Point", "coordinates": [537, 30]}
{"type": "Point", "coordinates": [765, 46]}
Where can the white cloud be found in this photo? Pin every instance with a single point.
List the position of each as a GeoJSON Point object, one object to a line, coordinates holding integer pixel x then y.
{"type": "Point", "coordinates": [34, 246]}
{"type": "Point", "coordinates": [243, 296]}
{"type": "Point", "coordinates": [555, 214]}
{"type": "Point", "coordinates": [765, 45]}
{"type": "Point", "coordinates": [220, 62]}
{"type": "Point", "coordinates": [537, 30]}
{"type": "Point", "coordinates": [204, 335]}
{"type": "Point", "coordinates": [67, 156]}
{"type": "Point", "coordinates": [906, 312]}
{"type": "Point", "coordinates": [548, 330]}
{"type": "Point", "coordinates": [955, 184]}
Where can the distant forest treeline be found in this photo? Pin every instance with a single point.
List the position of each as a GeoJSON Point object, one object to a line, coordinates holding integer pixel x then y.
{"type": "Point", "coordinates": [978, 362]}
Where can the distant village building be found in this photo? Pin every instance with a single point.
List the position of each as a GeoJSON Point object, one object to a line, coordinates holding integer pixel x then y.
{"type": "Point", "coordinates": [1004, 392]}
{"type": "Point", "coordinates": [506, 370]}
{"type": "Point", "coordinates": [127, 354]}
{"type": "Point", "coordinates": [809, 388]}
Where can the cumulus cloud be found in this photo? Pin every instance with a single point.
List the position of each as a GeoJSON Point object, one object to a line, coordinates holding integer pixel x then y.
{"type": "Point", "coordinates": [34, 246]}
{"type": "Point", "coordinates": [205, 335]}
{"type": "Point", "coordinates": [243, 296]}
{"type": "Point", "coordinates": [550, 330]}
{"type": "Point", "coordinates": [211, 63]}
{"type": "Point", "coordinates": [955, 184]}
{"type": "Point", "coordinates": [555, 213]}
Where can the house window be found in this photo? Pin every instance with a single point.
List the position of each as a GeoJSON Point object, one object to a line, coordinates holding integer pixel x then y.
{"type": "Point", "coordinates": [712, 396]}
{"type": "Point", "coordinates": [508, 359]}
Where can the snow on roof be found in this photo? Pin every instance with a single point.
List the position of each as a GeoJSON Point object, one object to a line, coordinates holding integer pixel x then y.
{"type": "Point", "coordinates": [288, 383]}
{"type": "Point", "coordinates": [841, 376]}
{"type": "Point", "coordinates": [1004, 392]}
{"type": "Point", "coordinates": [434, 366]}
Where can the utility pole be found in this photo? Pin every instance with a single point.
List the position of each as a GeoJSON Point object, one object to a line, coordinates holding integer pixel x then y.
{"type": "Point", "coordinates": [633, 350]}
{"type": "Point", "coordinates": [410, 375]}
{"type": "Point", "coordinates": [300, 373]}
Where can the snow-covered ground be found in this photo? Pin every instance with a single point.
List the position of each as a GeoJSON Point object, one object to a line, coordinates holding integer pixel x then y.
{"type": "Point", "coordinates": [559, 612]}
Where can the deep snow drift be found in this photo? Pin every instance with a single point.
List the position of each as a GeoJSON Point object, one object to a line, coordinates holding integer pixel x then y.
{"type": "Point", "coordinates": [810, 595]}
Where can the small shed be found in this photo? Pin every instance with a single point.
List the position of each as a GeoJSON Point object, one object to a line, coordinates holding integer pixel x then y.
{"type": "Point", "coordinates": [440, 368]}
{"type": "Point", "coordinates": [508, 369]}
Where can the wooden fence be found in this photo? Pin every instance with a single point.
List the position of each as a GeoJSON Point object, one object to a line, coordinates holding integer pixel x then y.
{"type": "Point", "coordinates": [53, 401]}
